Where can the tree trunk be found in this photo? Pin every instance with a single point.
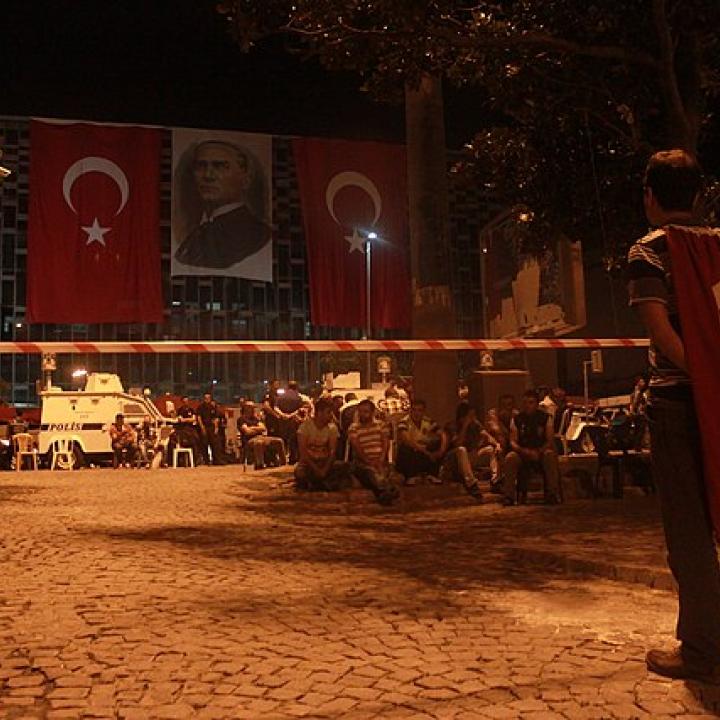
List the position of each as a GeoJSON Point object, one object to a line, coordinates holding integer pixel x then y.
{"type": "Point", "coordinates": [435, 373]}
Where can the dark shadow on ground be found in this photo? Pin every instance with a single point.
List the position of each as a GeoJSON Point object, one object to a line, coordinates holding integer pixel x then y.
{"type": "Point", "coordinates": [10, 493]}
{"type": "Point", "coordinates": [443, 567]}
{"type": "Point", "coordinates": [446, 554]}
{"type": "Point", "coordinates": [707, 695]}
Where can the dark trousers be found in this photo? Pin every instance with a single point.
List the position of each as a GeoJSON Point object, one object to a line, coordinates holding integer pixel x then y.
{"type": "Point", "coordinates": [123, 453]}
{"type": "Point", "coordinates": [379, 482]}
{"type": "Point", "coordinates": [211, 439]}
{"type": "Point", "coordinates": [186, 436]}
{"type": "Point", "coordinates": [692, 555]}
{"type": "Point", "coordinates": [411, 463]}
{"type": "Point", "coordinates": [337, 478]}
{"type": "Point", "coordinates": [288, 432]}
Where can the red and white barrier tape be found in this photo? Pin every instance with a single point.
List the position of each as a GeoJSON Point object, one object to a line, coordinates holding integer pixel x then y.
{"type": "Point", "coordinates": [264, 346]}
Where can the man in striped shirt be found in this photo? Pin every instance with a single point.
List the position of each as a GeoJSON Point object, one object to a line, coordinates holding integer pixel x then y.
{"type": "Point", "coordinates": [673, 183]}
{"type": "Point", "coordinates": [370, 442]}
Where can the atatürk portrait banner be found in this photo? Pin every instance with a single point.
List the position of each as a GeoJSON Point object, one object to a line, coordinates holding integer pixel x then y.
{"type": "Point", "coordinates": [221, 204]}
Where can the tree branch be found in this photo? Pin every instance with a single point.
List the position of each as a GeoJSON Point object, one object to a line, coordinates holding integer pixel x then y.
{"type": "Point", "coordinates": [668, 78]}
{"type": "Point", "coordinates": [503, 36]}
{"type": "Point", "coordinates": [569, 47]}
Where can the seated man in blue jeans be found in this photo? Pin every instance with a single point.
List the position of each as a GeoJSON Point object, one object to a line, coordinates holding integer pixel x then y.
{"type": "Point", "coordinates": [317, 468]}
{"type": "Point", "coordinates": [531, 448]}
{"type": "Point", "coordinates": [421, 445]}
{"type": "Point", "coordinates": [370, 441]}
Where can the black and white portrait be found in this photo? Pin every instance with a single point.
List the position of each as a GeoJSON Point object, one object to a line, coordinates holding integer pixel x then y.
{"type": "Point", "coordinates": [221, 222]}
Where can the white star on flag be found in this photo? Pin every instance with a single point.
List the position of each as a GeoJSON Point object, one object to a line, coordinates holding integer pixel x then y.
{"type": "Point", "coordinates": [95, 233]}
{"type": "Point", "coordinates": [357, 242]}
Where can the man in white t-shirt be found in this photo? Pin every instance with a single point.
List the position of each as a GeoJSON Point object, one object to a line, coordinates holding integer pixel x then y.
{"type": "Point", "coordinates": [317, 468]}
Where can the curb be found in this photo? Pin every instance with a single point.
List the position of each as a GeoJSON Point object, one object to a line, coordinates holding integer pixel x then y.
{"type": "Point", "coordinates": [652, 577]}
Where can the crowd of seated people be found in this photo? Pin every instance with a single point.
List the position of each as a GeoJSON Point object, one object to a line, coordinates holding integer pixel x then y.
{"type": "Point", "coordinates": [201, 428]}
{"type": "Point", "coordinates": [337, 439]}
{"type": "Point", "coordinates": [341, 438]}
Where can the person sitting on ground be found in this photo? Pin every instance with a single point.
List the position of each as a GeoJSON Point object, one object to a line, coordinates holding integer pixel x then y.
{"type": "Point", "coordinates": [255, 440]}
{"type": "Point", "coordinates": [124, 442]}
{"type": "Point", "coordinates": [467, 432]}
{"type": "Point", "coordinates": [421, 446]}
{"type": "Point", "coordinates": [317, 440]}
{"type": "Point", "coordinates": [392, 406]}
{"type": "Point", "coordinates": [532, 448]}
{"type": "Point", "coordinates": [498, 420]}
{"type": "Point", "coordinates": [469, 447]}
{"type": "Point", "coordinates": [370, 441]}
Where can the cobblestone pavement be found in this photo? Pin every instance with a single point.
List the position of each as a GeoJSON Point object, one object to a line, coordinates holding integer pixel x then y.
{"type": "Point", "coordinates": [211, 593]}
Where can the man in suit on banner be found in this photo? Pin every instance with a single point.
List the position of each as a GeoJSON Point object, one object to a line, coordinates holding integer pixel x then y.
{"type": "Point", "coordinates": [228, 231]}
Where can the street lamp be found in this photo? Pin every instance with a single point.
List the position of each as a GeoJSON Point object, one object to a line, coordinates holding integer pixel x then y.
{"type": "Point", "coordinates": [371, 235]}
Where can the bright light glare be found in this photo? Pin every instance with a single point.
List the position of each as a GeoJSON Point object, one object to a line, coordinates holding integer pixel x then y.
{"type": "Point", "coordinates": [372, 235]}
{"type": "Point", "coordinates": [80, 372]}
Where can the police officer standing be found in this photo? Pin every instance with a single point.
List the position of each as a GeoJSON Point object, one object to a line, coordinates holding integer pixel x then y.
{"type": "Point", "coordinates": [209, 421]}
{"type": "Point", "coordinates": [186, 430]}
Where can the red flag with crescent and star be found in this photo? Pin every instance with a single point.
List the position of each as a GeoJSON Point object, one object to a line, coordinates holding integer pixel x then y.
{"type": "Point", "coordinates": [353, 193]}
{"type": "Point", "coordinates": [695, 259]}
{"type": "Point", "coordinates": [94, 225]}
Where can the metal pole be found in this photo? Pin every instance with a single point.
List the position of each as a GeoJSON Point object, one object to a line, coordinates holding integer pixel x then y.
{"type": "Point", "coordinates": [586, 382]}
{"type": "Point", "coordinates": [368, 310]}
{"type": "Point", "coordinates": [483, 280]}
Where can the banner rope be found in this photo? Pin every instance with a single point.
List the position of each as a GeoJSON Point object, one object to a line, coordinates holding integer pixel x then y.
{"type": "Point", "coordinates": [305, 346]}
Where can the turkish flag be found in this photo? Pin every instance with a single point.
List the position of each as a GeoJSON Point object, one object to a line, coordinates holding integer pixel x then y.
{"type": "Point", "coordinates": [94, 226]}
{"type": "Point", "coordinates": [695, 258]}
{"type": "Point", "coordinates": [349, 190]}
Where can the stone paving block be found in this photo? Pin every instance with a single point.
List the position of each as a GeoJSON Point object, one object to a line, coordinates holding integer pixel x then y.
{"type": "Point", "coordinates": [499, 712]}
{"type": "Point", "coordinates": [626, 711]}
{"type": "Point", "coordinates": [176, 711]}
{"type": "Point", "coordinates": [21, 681]}
{"type": "Point", "coordinates": [337, 706]}
{"type": "Point", "coordinates": [198, 590]}
{"type": "Point", "coordinates": [661, 707]}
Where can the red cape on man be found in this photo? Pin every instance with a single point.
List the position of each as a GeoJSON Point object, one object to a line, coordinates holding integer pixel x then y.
{"type": "Point", "coordinates": [695, 257]}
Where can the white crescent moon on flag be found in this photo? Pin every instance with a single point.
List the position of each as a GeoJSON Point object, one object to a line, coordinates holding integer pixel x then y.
{"type": "Point", "coordinates": [350, 179]}
{"type": "Point", "coordinates": [96, 164]}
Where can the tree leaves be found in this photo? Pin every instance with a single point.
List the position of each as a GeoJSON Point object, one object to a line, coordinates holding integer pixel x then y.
{"type": "Point", "coordinates": [586, 95]}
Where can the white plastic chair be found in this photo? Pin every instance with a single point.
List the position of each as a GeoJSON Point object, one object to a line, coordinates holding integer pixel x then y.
{"type": "Point", "coordinates": [178, 452]}
{"type": "Point", "coordinates": [23, 448]}
{"type": "Point", "coordinates": [62, 454]}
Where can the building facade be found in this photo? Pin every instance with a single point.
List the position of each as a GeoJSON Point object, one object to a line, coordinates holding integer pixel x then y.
{"type": "Point", "coordinates": [206, 308]}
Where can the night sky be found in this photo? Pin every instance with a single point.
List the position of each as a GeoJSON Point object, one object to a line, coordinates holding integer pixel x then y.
{"type": "Point", "coordinates": [174, 63]}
